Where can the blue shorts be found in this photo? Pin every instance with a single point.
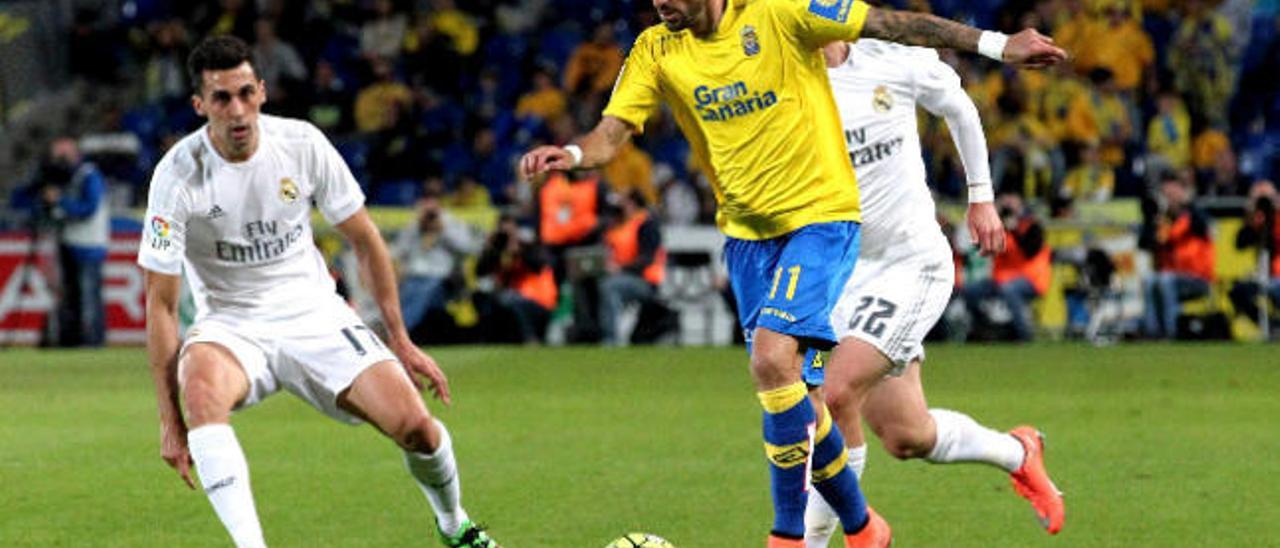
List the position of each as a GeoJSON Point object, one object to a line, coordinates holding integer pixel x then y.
{"type": "Point", "coordinates": [790, 284]}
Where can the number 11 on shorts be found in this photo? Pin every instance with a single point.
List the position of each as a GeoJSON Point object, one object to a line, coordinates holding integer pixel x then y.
{"type": "Point", "coordinates": [794, 272]}
{"type": "Point", "coordinates": [349, 333]}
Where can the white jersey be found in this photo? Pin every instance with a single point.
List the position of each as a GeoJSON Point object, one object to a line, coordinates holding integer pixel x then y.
{"type": "Point", "coordinates": [242, 231]}
{"type": "Point", "coordinates": [876, 90]}
{"type": "Point", "coordinates": [904, 276]}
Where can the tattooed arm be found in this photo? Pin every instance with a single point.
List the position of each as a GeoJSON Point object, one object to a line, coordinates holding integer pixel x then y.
{"type": "Point", "coordinates": [919, 29]}
{"type": "Point", "coordinates": [1028, 48]}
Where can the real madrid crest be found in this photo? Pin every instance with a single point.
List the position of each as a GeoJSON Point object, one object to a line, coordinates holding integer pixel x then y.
{"type": "Point", "coordinates": [750, 43]}
{"type": "Point", "coordinates": [288, 190]}
{"type": "Point", "coordinates": [881, 100]}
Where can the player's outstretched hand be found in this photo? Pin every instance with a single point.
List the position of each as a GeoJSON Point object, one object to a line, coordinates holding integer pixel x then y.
{"type": "Point", "coordinates": [173, 449]}
{"type": "Point", "coordinates": [1031, 49]}
{"type": "Point", "coordinates": [416, 362]}
{"type": "Point", "coordinates": [985, 228]}
{"type": "Point", "coordinates": [543, 159]}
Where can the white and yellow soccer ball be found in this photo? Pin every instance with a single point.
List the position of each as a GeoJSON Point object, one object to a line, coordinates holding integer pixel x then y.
{"type": "Point", "coordinates": [640, 540]}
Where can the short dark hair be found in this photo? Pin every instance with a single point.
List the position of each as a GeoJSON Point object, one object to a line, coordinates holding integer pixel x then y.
{"type": "Point", "coordinates": [217, 53]}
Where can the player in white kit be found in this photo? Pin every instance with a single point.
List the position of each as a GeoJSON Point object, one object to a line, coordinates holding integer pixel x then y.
{"type": "Point", "coordinates": [230, 208]}
{"type": "Point", "coordinates": [905, 273]}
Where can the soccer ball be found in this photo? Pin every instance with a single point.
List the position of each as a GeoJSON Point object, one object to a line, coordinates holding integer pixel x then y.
{"type": "Point", "coordinates": [641, 540]}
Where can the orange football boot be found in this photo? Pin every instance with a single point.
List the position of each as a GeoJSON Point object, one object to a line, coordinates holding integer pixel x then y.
{"type": "Point", "coordinates": [875, 534]}
{"type": "Point", "coordinates": [776, 541]}
{"type": "Point", "coordinates": [1033, 483]}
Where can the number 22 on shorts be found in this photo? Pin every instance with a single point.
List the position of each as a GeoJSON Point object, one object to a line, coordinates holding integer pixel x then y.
{"type": "Point", "coordinates": [794, 273]}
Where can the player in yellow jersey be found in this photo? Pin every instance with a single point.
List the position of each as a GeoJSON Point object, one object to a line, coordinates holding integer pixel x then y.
{"type": "Point", "coordinates": [748, 88]}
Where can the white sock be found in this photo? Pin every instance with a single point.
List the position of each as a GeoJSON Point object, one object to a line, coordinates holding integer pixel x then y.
{"type": "Point", "coordinates": [437, 476]}
{"type": "Point", "coordinates": [961, 439]}
{"type": "Point", "coordinates": [820, 519]}
{"type": "Point", "coordinates": [858, 459]}
{"type": "Point", "coordinates": [224, 474]}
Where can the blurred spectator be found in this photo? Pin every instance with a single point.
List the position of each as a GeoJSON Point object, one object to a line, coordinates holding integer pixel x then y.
{"type": "Point", "coordinates": [1072, 26]}
{"type": "Point", "coordinates": [525, 287]}
{"type": "Point", "coordinates": [1169, 134]}
{"type": "Point", "coordinates": [469, 194]}
{"type": "Point", "coordinates": [429, 251]}
{"type": "Point", "coordinates": [1224, 178]}
{"type": "Point", "coordinates": [448, 20]}
{"type": "Point", "coordinates": [1092, 180]}
{"type": "Point", "coordinates": [1053, 105]}
{"type": "Point", "coordinates": [1021, 147]}
{"type": "Point", "coordinates": [632, 171]}
{"type": "Point", "coordinates": [1202, 61]}
{"type": "Point", "coordinates": [1018, 275]}
{"type": "Point", "coordinates": [165, 67]}
{"type": "Point", "coordinates": [1260, 220]}
{"type": "Point", "coordinates": [277, 62]}
{"type": "Point", "coordinates": [569, 209]}
{"type": "Point", "coordinates": [594, 65]}
{"type": "Point", "coordinates": [384, 32]}
{"type": "Point", "coordinates": [380, 104]}
{"type": "Point", "coordinates": [545, 101]}
{"type": "Point", "coordinates": [72, 195]}
{"type": "Point", "coordinates": [1208, 144]}
{"type": "Point", "coordinates": [1100, 116]}
{"type": "Point", "coordinates": [591, 71]}
{"type": "Point", "coordinates": [1177, 234]}
{"type": "Point", "coordinates": [234, 17]}
{"type": "Point", "coordinates": [430, 60]}
{"type": "Point", "coordinates": [1117, 43]}
{"type": "Point", "coordinates": [492, 167]}
{"type": "Point", "coordinates": [329, 101]}
{"type": "Point", "coordinates": [636, 264]}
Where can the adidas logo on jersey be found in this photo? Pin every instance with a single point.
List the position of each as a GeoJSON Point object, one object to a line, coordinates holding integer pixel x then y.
{"type": "Point", "coordinates": [215, 212]}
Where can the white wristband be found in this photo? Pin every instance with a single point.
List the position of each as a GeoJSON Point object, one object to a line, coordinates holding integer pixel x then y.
{"type": "Point", "coordinates": [981, 191]}
{"type": "Point", "coordinates": [991, 44]}
{"type": "Point", "coordinates": [576, 152]}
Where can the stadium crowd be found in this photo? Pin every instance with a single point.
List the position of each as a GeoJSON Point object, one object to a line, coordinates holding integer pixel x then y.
{"type": "Point", "coordinates": [1170, 104]}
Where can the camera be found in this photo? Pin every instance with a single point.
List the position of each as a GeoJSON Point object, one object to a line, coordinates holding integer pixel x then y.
{"type": "Point", "coordinates": [55, 173]}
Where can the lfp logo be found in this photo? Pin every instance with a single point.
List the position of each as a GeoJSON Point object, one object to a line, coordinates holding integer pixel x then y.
{"type": "Point", "coordinates": [160, 231]}
{"type": "Point", "coordinates": [159, 227]}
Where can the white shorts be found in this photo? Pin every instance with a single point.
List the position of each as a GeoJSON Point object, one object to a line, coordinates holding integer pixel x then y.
{"type": "Point", "coordinates": [893, 302]}
{"type": "Point", "coordinates": [315, 354]}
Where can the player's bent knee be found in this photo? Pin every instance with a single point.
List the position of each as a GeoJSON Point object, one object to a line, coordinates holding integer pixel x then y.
{"type": "Point", "coordinates": [773, 360]}
{"type": "Point", "coordinates": [212, 383]}
{"type": "Point", "coordinates": [416, 432]}
{"type": "Point", "coordinates": [839, 397]}
{"type": "Point", "coordinates": [904, 444]}
{"type": "Point", "coordinates": [205, 401]}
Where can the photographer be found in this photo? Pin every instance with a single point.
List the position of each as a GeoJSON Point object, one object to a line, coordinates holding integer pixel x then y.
{"type": "Point", "coordinates": [429, 251]}
{"type": "Point", "coordinates": [70, 196]}
{"type": "Point", "coordinates": [1259, 220]}
{"type": "Point", "coordinates": [1177, 234]}
{"type": "Point", "coordinates": [524, 288]}
{"type": "Point", "coordinates": [1021, 273]}
{"type": "Point", "coordinates": [636, 265]}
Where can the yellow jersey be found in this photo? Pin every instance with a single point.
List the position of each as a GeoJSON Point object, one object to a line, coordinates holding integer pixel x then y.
{"type": "Point", "coordinates": [753, 100]}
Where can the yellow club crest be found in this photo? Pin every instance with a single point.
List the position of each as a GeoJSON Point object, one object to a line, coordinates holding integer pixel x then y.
{"type": "Point", "coordinates": [881, 100]}
{"type": "Point", "coordinates": [750, 42]}
{"type": "Point", "coordinates": [288, 190]}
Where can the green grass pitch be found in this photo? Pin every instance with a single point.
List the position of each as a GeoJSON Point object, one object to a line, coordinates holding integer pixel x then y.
{"type": "Point", "coordinates": [1154, 445]}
